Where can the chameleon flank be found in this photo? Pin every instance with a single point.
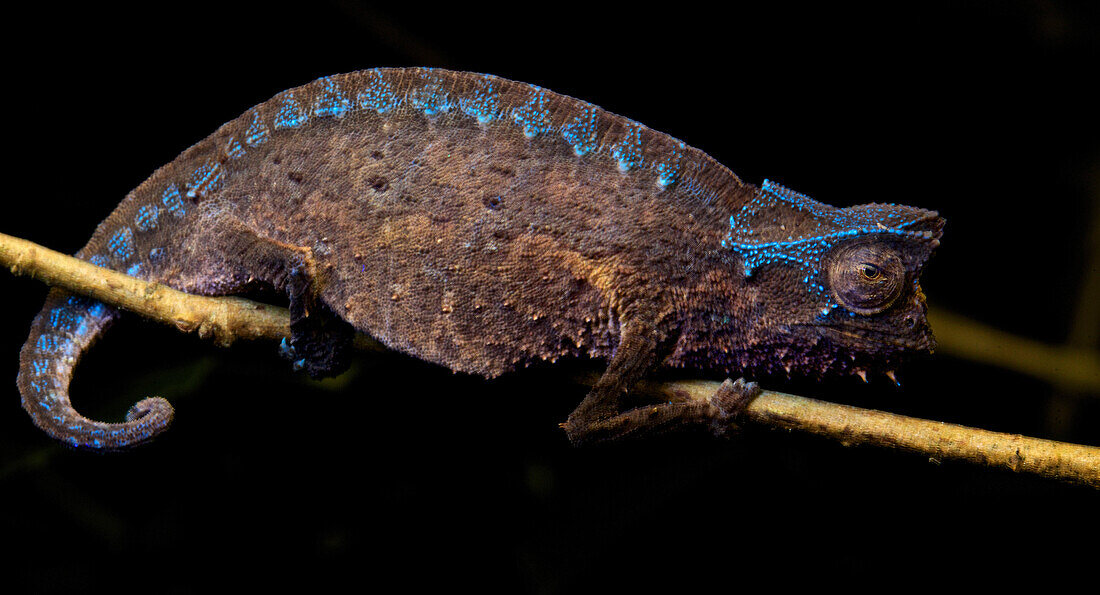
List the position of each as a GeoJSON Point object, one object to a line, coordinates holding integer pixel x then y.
{"type": "Point", "coordinates": [480, 224]}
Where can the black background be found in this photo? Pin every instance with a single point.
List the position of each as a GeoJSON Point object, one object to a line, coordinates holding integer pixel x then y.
{"type": "Point", "coordinates": [981, 110]}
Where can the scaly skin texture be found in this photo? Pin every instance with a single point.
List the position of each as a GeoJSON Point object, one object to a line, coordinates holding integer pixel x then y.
{"type": "Point", "coordinates": [480, 223]}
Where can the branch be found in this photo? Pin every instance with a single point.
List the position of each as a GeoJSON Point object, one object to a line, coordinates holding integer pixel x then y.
{"type": "Point", "coordinates": [1065, 366]}
{"type": "Point", "coordinates": [228, 318]}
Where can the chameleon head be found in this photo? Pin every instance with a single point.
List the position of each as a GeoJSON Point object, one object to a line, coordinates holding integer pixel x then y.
{"type": "Point", "coordinates": [853, 300]}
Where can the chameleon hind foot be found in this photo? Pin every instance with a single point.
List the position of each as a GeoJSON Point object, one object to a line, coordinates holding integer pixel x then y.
{"type": "Point", "coordinates": [599, 417]}
{"type": "Point", "coordinates": [718, 414]}
{"type": "Point", "coordinates": [320, 342]}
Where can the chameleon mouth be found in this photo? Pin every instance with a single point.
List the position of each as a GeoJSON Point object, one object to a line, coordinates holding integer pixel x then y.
{"type": "Point", "coordinates": [848, 334]}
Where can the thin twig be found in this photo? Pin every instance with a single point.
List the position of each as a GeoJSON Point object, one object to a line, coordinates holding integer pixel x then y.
{"type": "Point", "coordinates": [226, 319]}
{"type": "Point", "coordinates": [1065, 366]}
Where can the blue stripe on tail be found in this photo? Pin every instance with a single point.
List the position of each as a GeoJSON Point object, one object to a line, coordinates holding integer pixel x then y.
{"type": "Point", "coordinates": [62, 331]}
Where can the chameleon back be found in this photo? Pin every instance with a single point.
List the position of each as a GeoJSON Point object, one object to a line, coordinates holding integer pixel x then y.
{"type": "Point", "coordinates": [469, 220]}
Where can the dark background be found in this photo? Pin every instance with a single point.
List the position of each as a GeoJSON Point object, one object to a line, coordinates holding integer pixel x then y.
{"type": "Point", "coordinates": [981, 110]}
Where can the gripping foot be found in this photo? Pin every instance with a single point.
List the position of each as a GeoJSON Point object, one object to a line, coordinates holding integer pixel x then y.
{"type": "Point", "coordinates": [728, 403]}
{"type": "Point", "coordinates": [320, 342]}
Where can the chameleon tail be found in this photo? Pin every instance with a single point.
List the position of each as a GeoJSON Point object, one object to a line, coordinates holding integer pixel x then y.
{"type": "Point", "coordinates": [62, 331]}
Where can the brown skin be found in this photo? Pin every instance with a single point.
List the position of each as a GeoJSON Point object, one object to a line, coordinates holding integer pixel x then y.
{"type": "Point", "coordinates": [473, 246]}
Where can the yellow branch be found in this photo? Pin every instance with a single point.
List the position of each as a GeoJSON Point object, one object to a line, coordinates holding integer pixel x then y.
{"type": "Point", "coordinates": [1068, 367]}
{"type": "Point", "coordinates": [226, 319]}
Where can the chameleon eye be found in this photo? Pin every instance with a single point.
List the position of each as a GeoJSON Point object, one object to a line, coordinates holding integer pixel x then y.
{"type": "Point", "coordinates": [865, 278]}
{"type": "Point", "coordinates": [869, 271]}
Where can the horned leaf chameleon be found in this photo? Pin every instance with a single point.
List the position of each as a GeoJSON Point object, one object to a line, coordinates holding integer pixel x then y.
{"type": "Point", "coordinates": [480, 223]}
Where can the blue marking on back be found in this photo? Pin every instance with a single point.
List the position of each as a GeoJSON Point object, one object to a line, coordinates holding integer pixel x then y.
{"type": "Point", "coordinates": [290, 114]}
{"type": "Point", "coordinates": [208, 177]}
{"type": "Point", "coordinates": [628, 151]}
{"type": "Point", "coordinates": [134, 270]}
{"type": "Point", "coordinates": [431, 98]}
{"type": "Point", "coordinates": [533, 116]}
{"type": "Point", "coordinates": [257, 131]}
{"type": "Point", "coordinates": [483, 104]}
{"type": "Point", "coordinates": [581, 132]}
{"type": "Point", "coordinates": [146, 217]}
{"type": "Point", "coordinates": [234, 149]}
{"type": "Point", "coordinates": [668, 171]}
{"type": "Point", "coordinates": [377, 94]}
{"type": "Point", "coordinates": [99, 260]}
{"type": "Point", "coordinates": [172, 201]}
{"type": "Point", "coordinates": [332, 101]}
{"type": "Point", "coordinates": [121, 244]}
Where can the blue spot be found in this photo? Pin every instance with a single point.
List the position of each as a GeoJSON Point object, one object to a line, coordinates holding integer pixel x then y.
{"type": "Point", "coordinates": [134, 270]}
{"type": "Point", "coordinates": [47, 343]}
{"type": "Point", "coordinates": [628, 151]}
{"type": "Point", "coordinates": [668, 171]}
{"type": "Point", "coordinates": [533, 116]}
{"type": "Point", "coordinates": [99, 260]}
{"type": "Point", "coordinates": [146, 217]}
{"type": "Point", "coordinates": [290, 114]}
{"type": "Point", "coordinates": [377, 93]}
{"type": "Point", "coordinates": [207, 178]}
{"type": "Point", "coordinates": [63, 319]}
{"type": "Point", "coordinates": [431, 98]}
{"type": "Point", "coordinates": [581, 132]}
{"type": "Point", "coordinates": [331, 101]}
{"type": "Point", "coordinates": [483, 104]}
{"type": "Point", "coordinates": [40, 366]}
{"type": "Point", "coordinates": [234, 149]}
{"type": "Point", "coordinates": [94, 308]}
{"type": "Point", "coordinates": [121, 244]}
{"type": "Point", "coordinates": [172, 201]}
{"type": "Point", "coordinates": [257, 131]}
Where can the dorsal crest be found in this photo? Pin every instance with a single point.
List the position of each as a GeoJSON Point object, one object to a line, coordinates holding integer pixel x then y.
{"type": "Point", "coordinates": [555, 121]}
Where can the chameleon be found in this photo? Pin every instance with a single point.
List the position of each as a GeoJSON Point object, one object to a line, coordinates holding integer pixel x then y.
{"type": "Point", "coordinates": [482, 224]}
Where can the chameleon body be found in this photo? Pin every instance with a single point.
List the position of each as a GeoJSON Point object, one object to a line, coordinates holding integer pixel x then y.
{"type": "Point", "coordinates": [481, 223]}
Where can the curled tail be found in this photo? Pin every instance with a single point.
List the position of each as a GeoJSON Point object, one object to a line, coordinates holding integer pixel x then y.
{"type": "Point", "coordinates": [62, 331]}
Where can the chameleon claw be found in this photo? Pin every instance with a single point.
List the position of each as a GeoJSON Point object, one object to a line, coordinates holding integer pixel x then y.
{"type": "Point", "coordinates": [286, 349]}
{"type": "Point", "coordinates": [299, 364]}
{"type": "Point", "coordinates": [892, 377]}
{"type": "Point", "coordinates": [862, 374]}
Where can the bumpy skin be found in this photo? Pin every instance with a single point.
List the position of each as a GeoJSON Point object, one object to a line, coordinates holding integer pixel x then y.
{"type": "Point", "coordinates": [480, 223]}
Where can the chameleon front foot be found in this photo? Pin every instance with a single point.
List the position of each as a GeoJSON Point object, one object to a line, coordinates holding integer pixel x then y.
{"type": "Point", "coordinates": [727, 404]}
